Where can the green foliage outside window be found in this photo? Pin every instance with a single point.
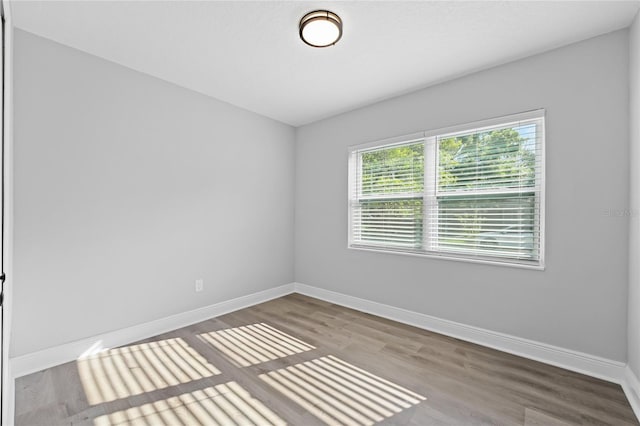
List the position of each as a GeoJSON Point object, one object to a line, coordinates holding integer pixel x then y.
{"type": "Point", "coordinates": [468, 218]}
{"type": "Point", "coordinates": [497, 158]}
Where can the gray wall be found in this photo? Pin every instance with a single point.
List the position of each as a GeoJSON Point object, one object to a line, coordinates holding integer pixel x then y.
{"type": "Point", "coordinates": [128, 188]}
{"type": "Point", "coordinates": [580, 300]}
{"type": "Point", "coordinates": [634, 232]}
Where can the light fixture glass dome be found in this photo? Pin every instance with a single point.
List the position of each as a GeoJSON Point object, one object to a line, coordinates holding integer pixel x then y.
{"type": "Point", "coordinates": [320, 28]}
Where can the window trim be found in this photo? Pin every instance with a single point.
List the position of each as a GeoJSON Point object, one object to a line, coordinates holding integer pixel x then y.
{"type": "Point", "coordinates": [428, 137]}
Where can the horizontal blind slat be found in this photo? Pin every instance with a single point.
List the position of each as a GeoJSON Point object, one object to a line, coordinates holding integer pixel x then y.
{"type": "Point", "coordinates": [485, 201]}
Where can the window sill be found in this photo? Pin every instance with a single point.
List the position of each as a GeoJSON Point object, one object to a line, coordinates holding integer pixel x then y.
{"type": "Point", "coordinates": [512, 264]}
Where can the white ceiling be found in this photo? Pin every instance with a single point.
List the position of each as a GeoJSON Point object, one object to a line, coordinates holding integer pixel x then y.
{"type": "Point", "coordinates": [249, 53]}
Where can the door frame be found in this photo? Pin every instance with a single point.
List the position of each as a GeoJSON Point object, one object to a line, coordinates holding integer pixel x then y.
{"type": "Point", "coordinates": [7, 381]}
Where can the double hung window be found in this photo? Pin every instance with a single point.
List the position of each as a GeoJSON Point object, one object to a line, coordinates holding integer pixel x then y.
{"type": "Point", "coordinates": [474, 192]}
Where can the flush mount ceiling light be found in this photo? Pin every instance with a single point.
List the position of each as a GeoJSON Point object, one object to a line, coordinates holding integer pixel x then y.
{"type": "Point", "coordinates": [320, 28]}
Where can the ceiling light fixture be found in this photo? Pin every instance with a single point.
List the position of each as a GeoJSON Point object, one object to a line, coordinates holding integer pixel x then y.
{"type": "Point", "coordinates": [320, 28]}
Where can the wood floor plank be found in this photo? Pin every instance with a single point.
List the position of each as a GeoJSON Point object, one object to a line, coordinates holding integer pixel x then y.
{"type": "Point", "coordinates": [302, 361]}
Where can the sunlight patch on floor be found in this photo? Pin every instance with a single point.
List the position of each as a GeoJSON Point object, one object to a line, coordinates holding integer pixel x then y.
{"type": "Point", "coordinates": [224, 404]}
{"type": "Point", "coordinates": [136, 369]}
{"type": "Point", "coordinates": [339, 393]}
{"type": "Point", "coordinates": [254, 344]}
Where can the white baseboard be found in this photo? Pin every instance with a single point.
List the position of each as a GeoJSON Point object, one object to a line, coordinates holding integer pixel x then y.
{"type": "Point", "coordinates": [631, 387]}
{"type": "Point", "coordinates": [36, 361]}
{"type": "Point", "coordinates": [580, 362]}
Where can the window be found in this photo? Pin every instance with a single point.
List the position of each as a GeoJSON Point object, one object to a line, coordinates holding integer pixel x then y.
{"type": "Point", "coordinates": [474, 192]}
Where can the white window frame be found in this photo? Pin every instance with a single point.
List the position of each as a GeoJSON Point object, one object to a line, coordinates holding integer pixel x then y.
{"type": "Point", "coordinates": [430, 191]}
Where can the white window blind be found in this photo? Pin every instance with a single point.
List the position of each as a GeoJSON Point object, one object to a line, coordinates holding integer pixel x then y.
{"type": "Point", "coordinates": [474, 192]}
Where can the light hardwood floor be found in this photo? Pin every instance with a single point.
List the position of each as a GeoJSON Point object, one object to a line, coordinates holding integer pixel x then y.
{"type": "Point", "coordinates": [301, 361]}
